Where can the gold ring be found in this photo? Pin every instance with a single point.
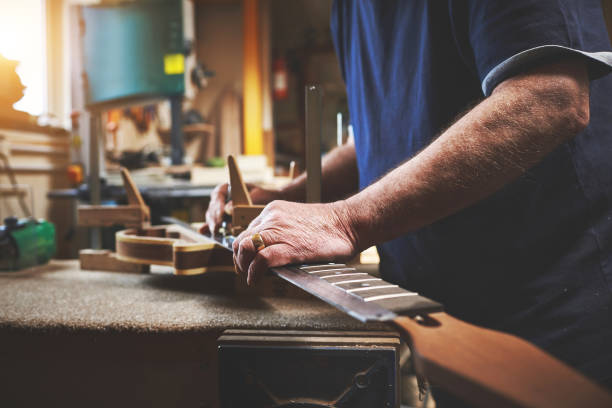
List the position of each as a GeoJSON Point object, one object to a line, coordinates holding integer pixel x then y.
{"type": "Point", "coordinates": [258, 242]}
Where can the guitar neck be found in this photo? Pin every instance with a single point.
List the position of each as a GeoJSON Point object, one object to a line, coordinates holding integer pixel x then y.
{"type": "Point", "coordinates": [363, 296]}
{"type": "Point", "coordinates": [484, 367]}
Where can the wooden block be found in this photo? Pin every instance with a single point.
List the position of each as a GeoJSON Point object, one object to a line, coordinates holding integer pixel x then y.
{"type": "Point", "coordinates": [106, 216]}
{"type": "Point", "coordinates": [105, 260]}
{"type": "Point", "coordinates": [244, 214]}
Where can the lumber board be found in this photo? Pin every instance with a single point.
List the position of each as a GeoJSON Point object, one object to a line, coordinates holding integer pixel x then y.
{"type": "Point", "coordinates": [107, 216]}
{"type": "Point", "coordinates": [106, 260]}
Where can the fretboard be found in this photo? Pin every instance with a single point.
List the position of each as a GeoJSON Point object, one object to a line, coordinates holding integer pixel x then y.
{"type": "Point", "coordinates": [360, 294]}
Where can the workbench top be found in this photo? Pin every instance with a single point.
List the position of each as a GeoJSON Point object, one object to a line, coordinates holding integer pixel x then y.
{"type": "Point", "coordinates": [86, 338]}
{"type": "Point", "coordinates": [61, 296]}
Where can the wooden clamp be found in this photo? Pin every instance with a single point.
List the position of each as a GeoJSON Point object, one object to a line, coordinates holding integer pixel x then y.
{"type": "Point", "coordinates": [244, 209]}
{"type": "Point", "coordinates": [134, 215]}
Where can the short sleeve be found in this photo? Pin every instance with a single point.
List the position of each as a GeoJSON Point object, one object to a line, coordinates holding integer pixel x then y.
{"type": "Point", "coordinates": [507, 37]}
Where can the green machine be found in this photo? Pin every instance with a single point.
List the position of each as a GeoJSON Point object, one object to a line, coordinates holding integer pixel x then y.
{"type": "Point", "coordinates": [25, 242]}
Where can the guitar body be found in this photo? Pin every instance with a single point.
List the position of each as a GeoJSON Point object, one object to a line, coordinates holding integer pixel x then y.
{"type": "Point", "coordinates": [188, 252]}
{"type": "Point", "coordinates": [492, 369]}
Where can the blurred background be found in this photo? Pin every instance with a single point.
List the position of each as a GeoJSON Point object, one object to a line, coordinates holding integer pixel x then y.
{"type": "Point", "coordinates": [167, 88]}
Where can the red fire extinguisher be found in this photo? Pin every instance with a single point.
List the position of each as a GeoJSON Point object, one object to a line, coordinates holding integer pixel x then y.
{"type": "Point", "coordinates": [280, 78]}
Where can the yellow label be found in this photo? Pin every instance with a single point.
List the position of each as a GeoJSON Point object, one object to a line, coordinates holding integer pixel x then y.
{"type": "Point", "coordinates": [174, 64]}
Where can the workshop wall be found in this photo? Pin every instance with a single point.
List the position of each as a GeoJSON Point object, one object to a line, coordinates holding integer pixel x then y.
{"type": "Point", "coordinates": [219, 48]}
{"type": "Point", "coordinates": [301, 38]}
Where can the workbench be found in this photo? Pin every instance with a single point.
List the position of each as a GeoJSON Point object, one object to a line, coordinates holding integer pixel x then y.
{"type": "Point", "coordinates": [70, 337]}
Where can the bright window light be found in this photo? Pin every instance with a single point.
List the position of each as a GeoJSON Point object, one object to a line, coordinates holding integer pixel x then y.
{"type": "Point", "coordinates": [22, 38]}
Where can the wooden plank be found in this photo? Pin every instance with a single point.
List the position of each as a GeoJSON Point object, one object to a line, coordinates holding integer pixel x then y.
{"type": "Point", "coordinates": [7, 191]}
{"type": "Point", "coordinates": [37, 149]}
{"type": "Point", "coordinates": [106, 216]}
{"type": "Point", "coordinates": [105, 260]}
{"type": "Point", "coordinates": [39, 168]}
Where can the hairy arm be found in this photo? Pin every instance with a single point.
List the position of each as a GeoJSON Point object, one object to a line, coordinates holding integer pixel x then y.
{"type": "Point", "coordinates": [525, 118]}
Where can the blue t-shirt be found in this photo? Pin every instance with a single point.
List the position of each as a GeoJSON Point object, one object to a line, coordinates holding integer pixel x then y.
{"type": "Point", "coordinates": [535, 258]}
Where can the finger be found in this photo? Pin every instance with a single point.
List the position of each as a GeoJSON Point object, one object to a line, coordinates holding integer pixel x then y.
{"type": "Point", "coordinates": [236, 250]}
{"type": "Point", "coordinates": [245, 255]}
{"type": "Point", "coordinates": [215, 208]}
{"type": "Point", "coordinates": [269, 257]}
{"type": "Point", "coordinates": [257, 221]}
{"type": "Point", "coordinates": [255, 224]}
{"type": "Point", "coordinates": [210, 222]}
{"type": "Point", "coordinates": [229, 208]}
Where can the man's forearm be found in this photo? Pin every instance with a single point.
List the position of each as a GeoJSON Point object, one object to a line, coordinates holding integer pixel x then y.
{"type": "Point", "coordinates": [523, 120]}
{"type": "Point", "coordinates": [339, 177]}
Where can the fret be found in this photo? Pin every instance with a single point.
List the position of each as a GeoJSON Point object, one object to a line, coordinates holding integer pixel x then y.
{"type": "Point", "coordinates": [370, 288]}
{"type": "Point", "coordinates": [321, 267]}
{"type": "Point", "coordinates": [357, 277]}
{"type": "Point", "coordinates": [332, 272]}
{"type": "Point", "coordinates": [349, 287]}
{"type": "Point", "coordinates": [350, 280]}
{"type": "Point", "coordinates": [340, 277]}
{"type": "Point", "coordinates": [389, 296]}
{"type": "Point", "coordinates": [362, 295]}
{"type": "Point", "coordinates": [379, 292]}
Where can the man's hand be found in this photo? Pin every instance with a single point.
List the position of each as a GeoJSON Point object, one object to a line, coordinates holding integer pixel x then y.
{"type": "Point", "coordinates": [295, 233]}
{"type": "Point", "coordinates": [218, 205]}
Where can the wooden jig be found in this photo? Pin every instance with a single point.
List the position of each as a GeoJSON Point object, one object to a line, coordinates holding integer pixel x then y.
{"type": "Point", "coordinates": [134, 215]}
{"type": "Point", "coordinates": [244, 210]}
{"type": "Point", "coordinates": [188, 252]}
